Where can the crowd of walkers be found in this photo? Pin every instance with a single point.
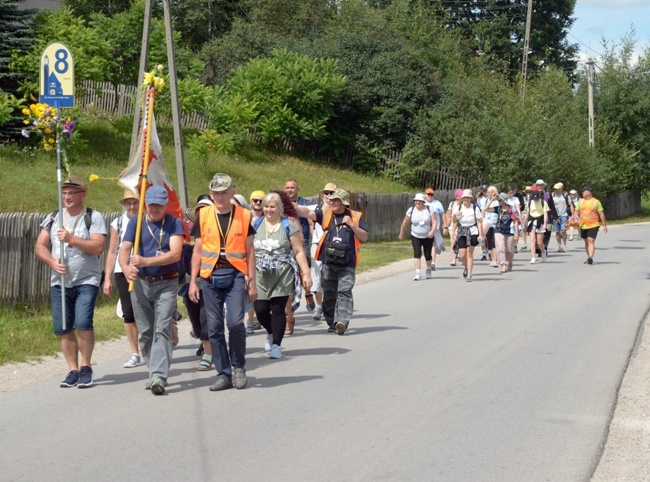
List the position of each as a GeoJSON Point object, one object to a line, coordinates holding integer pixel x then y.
{"type": "Point", "coordinates": [244, 267]}
{"type": "Point", "coordinates": [495, 222]}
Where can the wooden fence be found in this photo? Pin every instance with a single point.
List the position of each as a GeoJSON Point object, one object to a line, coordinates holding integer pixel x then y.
{"type": "Point", "coordinates": [24, 278]}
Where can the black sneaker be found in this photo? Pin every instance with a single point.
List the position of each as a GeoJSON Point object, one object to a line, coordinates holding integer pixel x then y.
{"type": "Point", "coordinates": [590, 261]}
{"type": "Point", "coordinates": [331, 329]}
{"type": "Point", "coordinates": [484, 258]}
{"type": "Point", "coordinates": [85, 377]}
{"type": "Point", "coordinates": [464, 273]}
{"type": "Point", "coordinates": [221, 384]}
{"type": "Point", "coordinates": [71, 380]}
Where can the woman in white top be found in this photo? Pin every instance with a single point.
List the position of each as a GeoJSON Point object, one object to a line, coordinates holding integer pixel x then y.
{"type": "Point", "coordinates": [423, 227]}
{"type": "Point", "coordinates": [467, 221]}
{"type": "Point", "coordinates": [118, 227]}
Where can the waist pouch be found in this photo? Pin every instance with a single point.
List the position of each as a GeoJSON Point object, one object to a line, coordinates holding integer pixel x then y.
{"type": "Point", "coordinates": [223, 278]}
{"type": "Point", "coordinates": [336, 253]}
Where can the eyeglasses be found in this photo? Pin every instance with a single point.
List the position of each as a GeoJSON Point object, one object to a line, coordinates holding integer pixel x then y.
{"type": "Point", "coordinates": [257, 200]}
{"type": "Point", "coordinates": [328, 193]}
{"type": "Point", "coordinates": [70, 194]}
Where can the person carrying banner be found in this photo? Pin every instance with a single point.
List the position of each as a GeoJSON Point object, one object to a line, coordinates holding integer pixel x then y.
{"type": "Point", "coordinates": [83, 232]}
{"type": "Point", "coordinates": [154, 270]}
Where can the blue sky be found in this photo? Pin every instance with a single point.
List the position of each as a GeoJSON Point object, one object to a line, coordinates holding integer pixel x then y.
{"type": "Point", "coordinates": [610, 19]}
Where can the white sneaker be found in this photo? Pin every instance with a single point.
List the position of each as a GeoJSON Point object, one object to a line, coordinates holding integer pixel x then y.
{"type": "Point", "coordinates": [544, 257]}
{"type": "Point", "coordinates": [523, 248]}
{"type": "Point", "coordinates": [417, 276]}
{"type": "Point", "coordinates": [429, 275]}
{"type": "Point", "coordinates": [275, 352]}
{"type": "Point", "coordinates": [318, 312]}
{"type": "Point", "coordinates": [533, 261]}
{"type": "Point", "coordinates": [132, 362]}
{"type": "Point", "coordinates": [494, 264]}
{"type": "Point", "coordinates": [268, 342]}
{"type": "Point", "coordinates": [453, 262]}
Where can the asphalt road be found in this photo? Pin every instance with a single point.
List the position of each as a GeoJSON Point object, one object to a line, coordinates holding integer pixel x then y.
{"type": "Point", "coordinates": [508, 378]}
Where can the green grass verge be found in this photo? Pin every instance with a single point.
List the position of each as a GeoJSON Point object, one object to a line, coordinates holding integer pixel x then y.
{"type": "Point", "coordinates": [105, 149]}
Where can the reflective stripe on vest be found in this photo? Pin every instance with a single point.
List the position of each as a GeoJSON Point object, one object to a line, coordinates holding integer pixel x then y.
{"type": "Point", "coordinates": [235, 241]}
{"type": "Point", "coordinates": [589, 213]}
{"type": "Point", "coordinates": [356, 216]}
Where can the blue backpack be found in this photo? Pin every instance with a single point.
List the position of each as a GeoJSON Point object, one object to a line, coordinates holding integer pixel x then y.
{"type": "Point", "coordinates": [285, 224]}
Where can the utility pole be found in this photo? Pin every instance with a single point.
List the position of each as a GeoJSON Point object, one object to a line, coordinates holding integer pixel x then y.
{"type": "Point", "coordinates": [176, 113]}
{"type": "Point", "coordinates": [590, 84]}
{"type": "Point", "coordinates": [181, 188]}
{"type": "Point", "coordinates": [144, 58]}
{"type": "Point", "coordinates": [524, 62]}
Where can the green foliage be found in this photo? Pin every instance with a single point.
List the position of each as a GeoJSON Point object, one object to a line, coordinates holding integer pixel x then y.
{"type": "Point", "coordinates": [495, 31]}
{"type": "Point", "coordinates": [89, 49]}
{"type": "Point", "coordinates": [480, 127]}
{"type": "Point", "coordinates": [287, 96]}
{"type": "Point", "coordinates": [623, 104]}
{"type": "Point", "coordinates": [15, 35]}
{"type": "Point", "coordinates": [86, 8]}
{"type": "Point", "coordinates": [6, 109]}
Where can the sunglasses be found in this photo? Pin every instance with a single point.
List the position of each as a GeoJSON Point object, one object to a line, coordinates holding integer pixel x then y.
{"type": "Point", "coordinates": [429, 194]}
{"type": "Point", "coordinates": [257, 200]}
{"type": "Point", "coordinates": [327, 193]}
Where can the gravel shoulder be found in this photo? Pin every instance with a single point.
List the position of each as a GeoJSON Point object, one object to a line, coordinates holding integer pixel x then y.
{"type": "Point", "coordinates": [626, 453]}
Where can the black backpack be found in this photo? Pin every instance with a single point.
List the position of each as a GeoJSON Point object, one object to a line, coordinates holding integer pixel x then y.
{"type": "Point", "coordinates": [88, 218]}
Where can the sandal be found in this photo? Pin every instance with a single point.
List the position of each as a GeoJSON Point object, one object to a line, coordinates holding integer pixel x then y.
{"type": "Point", "coordinates": [205, 364]}
{"type": "Point", "coordinates": [290, 325]}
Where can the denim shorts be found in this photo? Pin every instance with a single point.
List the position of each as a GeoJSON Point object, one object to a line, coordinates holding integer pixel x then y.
{"type": "Point", "coordinates": [560, 224]}
{"type": "Point", "coordinates": [79, 308]}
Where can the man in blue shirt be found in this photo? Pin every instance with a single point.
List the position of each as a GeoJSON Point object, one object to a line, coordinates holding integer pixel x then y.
{"type": "Point", "coordinates": [155, 273]}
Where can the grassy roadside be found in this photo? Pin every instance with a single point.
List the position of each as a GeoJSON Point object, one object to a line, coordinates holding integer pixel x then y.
{"type": "Point", "coordinates": [26, 332]}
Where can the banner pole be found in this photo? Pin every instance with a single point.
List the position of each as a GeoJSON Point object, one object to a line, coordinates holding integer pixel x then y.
{"type": "Point", "coordinates": [59, 180]}
{"type": "Point", "coordinates": [151, 95]}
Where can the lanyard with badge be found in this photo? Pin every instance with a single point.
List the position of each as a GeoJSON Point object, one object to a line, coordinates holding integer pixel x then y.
{"type": "Point", "coordinates": [160, 251]}
{"type": "Point", "coordinates": [223, 236]}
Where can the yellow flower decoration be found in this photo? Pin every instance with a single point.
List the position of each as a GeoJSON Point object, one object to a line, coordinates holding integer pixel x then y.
{"type": "Point", "coordinates": [148, 78]}
{"type": "Point", "coordinates": [152, 81]}
{"type": "Point", "coordinates": [26, 112]}
{"type": "Point", "coordinates": [93, 177]}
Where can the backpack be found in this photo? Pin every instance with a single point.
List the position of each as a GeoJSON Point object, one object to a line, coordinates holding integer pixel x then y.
{"type": "Point", "coordinates": [88, 218]}
{"type": "Point", "coordinates": [473, 206]}
{"type": "Point", "coordinates": [413, 209]}
{"type": "Point", "coordinates": [285, 224]}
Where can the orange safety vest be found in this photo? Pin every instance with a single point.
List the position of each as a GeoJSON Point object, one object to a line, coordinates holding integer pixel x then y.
{"type": "Point", "coordinates": [356, 216]}
{"type": "Point", "coordinates": [235, 240]}
{"type": "Point", "coordinates": [589, 213]}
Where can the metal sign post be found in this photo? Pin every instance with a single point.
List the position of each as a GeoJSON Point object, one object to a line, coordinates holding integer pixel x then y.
{"type": "Point", "coordinates": [57, 90]}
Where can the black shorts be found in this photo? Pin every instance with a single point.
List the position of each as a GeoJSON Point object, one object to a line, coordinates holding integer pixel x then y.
{"type": "Point", "coordinates": [589, 233]}
{"type": "Point", "coordinates": [422, 244]}
{"type": "Point", "coordinates": [462, 241]}
{"type": "Point", "coordinates": [125, 297]}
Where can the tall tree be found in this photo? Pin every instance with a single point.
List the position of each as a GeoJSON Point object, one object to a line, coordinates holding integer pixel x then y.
{"type": "Point", "coordinates": [495, 31]}
{"type": "Point", "coordinates": [15, 36]}
{"type": "Point", "coordinates": [86, 8]}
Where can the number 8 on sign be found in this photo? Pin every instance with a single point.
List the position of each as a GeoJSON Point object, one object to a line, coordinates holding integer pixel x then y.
{"type": "Point", "coordinates": [61, 64]}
